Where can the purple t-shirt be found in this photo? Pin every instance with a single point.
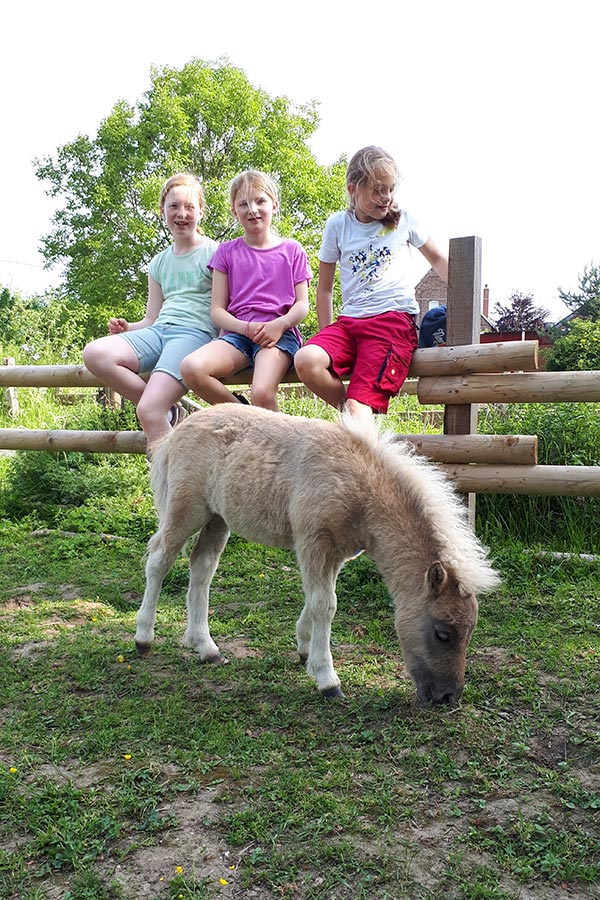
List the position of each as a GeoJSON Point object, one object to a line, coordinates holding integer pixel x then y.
{"type": "Point", "coordinates": [262, 283]}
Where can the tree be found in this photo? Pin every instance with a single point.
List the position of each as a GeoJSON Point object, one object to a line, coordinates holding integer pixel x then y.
{"type": "Point", "coordinates": [585, 302]}
{"type": "Point", "coordinates": [521, 315]}
{"type": "Point", "coordinates": [205, 118]}
{"type": "Point", "coordinates": [578, 350]}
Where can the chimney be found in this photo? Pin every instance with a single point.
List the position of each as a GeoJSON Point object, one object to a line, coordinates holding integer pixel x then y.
{"type": "Point", "coordinates": [486, 302]}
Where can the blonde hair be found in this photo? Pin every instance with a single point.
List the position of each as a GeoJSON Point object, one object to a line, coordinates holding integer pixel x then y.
{"type": "Point", "coordinates": [243, 183]}
{"type": "Point", "coordinates": [184, 179]}
{"type": "Point", "coordinates": [362, 171]}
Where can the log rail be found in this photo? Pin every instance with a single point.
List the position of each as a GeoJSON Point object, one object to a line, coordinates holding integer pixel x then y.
{"type": "Point", "coordinates": [476, 462]}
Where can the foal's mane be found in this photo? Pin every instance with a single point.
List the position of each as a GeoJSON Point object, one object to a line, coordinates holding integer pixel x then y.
{"type": "Point", "coordinates": [435, 498]}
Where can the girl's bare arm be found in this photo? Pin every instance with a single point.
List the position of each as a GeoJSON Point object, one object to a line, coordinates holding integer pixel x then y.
{"type": "Point", "coordinates": [437, 260]}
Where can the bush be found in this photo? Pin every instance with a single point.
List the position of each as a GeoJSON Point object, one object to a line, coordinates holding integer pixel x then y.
{"type": "Point", "coordinates": [568, 434]}
{"type": "Point", "coordinates": [40, 329]}
{"type": "Point", "coordinates": [107, 493]}
{"type": "Point", "coordinates": [578, 350]}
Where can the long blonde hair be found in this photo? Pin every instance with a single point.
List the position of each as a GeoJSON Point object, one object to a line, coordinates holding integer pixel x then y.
{"type": "Point", "coordinates": [362, 170]}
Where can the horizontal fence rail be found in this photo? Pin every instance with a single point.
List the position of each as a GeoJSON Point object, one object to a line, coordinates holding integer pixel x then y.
{"type": "Point", "coordinates": [472, 448]}
{"type": "Point", "coordinates": [450, 375]}
{"type": "Point", "coordinates": [564, 481]}
{"type": "Point", "coordinates": [72, 441]}
{"type": "Point", "coordinates": [514, 387]}
{"type": "Point", "coordinates": [470, 358]}
{"type": "Point", "coordinates": [495, 449]}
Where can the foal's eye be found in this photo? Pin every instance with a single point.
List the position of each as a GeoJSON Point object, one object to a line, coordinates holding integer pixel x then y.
{"type": "Point", "coordinates": [441, 635]}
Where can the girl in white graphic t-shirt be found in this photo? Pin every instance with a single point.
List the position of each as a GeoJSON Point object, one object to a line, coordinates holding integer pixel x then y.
{"type": "Point", "coordinates": [373, 338]}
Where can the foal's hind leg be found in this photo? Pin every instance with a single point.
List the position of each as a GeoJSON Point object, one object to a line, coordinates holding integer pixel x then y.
{"type": "Point", "coordinates": [204, 560]}
{"type": "Point", "coordinates": [313, 628]}
{"type": "Point", "coordinates": [163, 549]}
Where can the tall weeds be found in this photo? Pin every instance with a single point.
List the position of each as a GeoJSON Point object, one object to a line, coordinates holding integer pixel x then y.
{"type": "Point", "coordinates": [569, 435]}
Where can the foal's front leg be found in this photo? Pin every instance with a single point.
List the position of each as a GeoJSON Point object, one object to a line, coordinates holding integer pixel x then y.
{"type": "Point", "coordinates": [204, 560]}
{"type": "Point", "coordinates": [313, 629]}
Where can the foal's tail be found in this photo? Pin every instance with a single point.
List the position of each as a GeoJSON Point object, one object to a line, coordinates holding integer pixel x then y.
{"type": "Point", "coordinates": [159, 473]}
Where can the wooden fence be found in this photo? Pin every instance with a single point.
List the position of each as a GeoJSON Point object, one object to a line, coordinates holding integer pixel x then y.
{"type": "Point", "coordinates": [459, 376]}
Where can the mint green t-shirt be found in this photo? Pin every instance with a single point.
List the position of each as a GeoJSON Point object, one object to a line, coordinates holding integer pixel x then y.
{"type": "Point", "coordinates": [186, 283]}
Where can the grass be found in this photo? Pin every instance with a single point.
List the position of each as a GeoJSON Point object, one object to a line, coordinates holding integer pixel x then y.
{"type": "Point", "coordinates": [108, 759]}
{"type": "Point", "coordinates": [125, 778]}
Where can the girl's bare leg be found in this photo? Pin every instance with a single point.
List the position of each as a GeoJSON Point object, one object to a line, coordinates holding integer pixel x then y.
{"type": "Point", "coordinates": [113, 361]}
{"type": "Point", "coordinates": [161, 392]}
{"type": "Point", "coordinates": [203, 368]}
{"type": "Point", "coordinates": [360, 410]}
{"type": "Point", "coordinates": [270, 365]}
{"type": "Point", "coordinates": [312, 366]}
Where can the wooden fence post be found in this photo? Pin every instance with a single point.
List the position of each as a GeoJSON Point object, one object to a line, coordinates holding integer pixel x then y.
{"type": "Point", "coordinates": [463, 326]}
{"type": "Point", "coordinates": [10, 393]}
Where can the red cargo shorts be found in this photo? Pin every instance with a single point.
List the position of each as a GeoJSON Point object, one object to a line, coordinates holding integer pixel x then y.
{"type": "Point", "coordinates": [375, 351]}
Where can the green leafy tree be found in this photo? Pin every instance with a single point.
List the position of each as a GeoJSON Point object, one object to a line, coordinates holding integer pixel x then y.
{"type": "Point", "coordinates": [586, 301]}
{"type": "Point", "coordinates": [578, 350]}
{"type": "Point", "coordinates": [205, 118]}
{"type": "Point", "coordinates": [521, 314]}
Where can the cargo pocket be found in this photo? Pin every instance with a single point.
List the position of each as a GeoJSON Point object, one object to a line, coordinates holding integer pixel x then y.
{"type": "Point", "coordinates": [394, 370]}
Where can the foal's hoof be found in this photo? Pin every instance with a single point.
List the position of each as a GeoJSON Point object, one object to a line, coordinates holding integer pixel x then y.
{"type": "Point", "coordinates": [333, 693]}
{"type": "Point", "coordinates": [303, 659]}
{"type": "Point", "coordinates": [215, 660]}
{"type": "Point", "coordinates": [143, 649]}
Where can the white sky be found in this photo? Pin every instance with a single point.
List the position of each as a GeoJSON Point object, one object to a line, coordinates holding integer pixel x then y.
{"type": "Point", "coordinates": [490, 108]}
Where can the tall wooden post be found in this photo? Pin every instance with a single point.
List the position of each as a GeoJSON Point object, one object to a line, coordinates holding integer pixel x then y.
{"type": "Point", "coordinates": [463, 326]}
{"type": "Point", "coordinates": [10, 393]}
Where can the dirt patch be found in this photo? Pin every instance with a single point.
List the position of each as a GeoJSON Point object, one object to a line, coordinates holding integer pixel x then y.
{"type": "Point", "coordinates": [30, 649]}
{"type": "Point", "coordinates": [492, 658]}
{"type": "Point", "coordinates": [193, 847]}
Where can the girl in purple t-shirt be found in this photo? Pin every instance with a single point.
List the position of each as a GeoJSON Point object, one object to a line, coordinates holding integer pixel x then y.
{"type": "Point", "coordinates": [259, 296]}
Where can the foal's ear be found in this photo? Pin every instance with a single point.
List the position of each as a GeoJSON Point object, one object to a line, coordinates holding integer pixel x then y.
{"type": "Point", "coordinates": [437, 577]}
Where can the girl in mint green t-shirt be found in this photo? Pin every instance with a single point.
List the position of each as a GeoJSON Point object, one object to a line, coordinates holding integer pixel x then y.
{"type": "Point", "coordinates": [177, 319]}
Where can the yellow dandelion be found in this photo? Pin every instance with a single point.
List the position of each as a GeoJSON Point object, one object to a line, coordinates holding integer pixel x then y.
{"type": "Point", "coordinates": [262, 575]}
{"type": "Point", "coordinates": [223, 881]}
{"type": "Point", "coordinates": [179, 869]}
{"type": "Point", "coordinates": [12, 770]}
{"type": "Point", "coordinates": [127, 756]}
{"type": "Point", "coordinates": [120, 658]}
{"type": "Point", "coordinates": [94, 618]}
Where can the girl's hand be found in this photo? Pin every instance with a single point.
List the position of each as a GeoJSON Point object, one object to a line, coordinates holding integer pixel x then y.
{"type": "Point", "coordinates": [252, 330]}
{"type": "Point", "coordinates": [268, 333]}
{"type": "Point", "coordinates": [118, 326]}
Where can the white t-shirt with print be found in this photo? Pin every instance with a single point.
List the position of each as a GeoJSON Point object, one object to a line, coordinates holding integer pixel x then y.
{"type": "Point", "coordinates": [375, 269]}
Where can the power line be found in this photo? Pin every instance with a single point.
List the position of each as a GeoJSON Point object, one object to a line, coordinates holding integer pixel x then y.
{"type": "Point", "coordinates": [15, 262]}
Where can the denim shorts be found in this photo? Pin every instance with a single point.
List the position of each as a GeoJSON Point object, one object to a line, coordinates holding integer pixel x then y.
{"type": "Point", "coordinates": [160, 348]}
{"type": "Point", "coordinates": [287, 342]}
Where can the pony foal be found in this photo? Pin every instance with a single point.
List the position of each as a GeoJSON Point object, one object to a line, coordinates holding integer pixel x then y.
{"type": "Point", "coordinates": [324, 490]}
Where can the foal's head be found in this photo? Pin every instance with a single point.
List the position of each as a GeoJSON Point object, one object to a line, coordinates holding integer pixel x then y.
{"type": "Point", "coordinates": [434, 638]}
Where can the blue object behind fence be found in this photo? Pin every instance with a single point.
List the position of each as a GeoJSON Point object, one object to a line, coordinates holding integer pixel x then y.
{"type": "Point", "coordinates": [432, 331]}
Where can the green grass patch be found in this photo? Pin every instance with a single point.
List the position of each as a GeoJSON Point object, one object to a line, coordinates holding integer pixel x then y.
{"type": "Point", "coordinates": [123, 777]}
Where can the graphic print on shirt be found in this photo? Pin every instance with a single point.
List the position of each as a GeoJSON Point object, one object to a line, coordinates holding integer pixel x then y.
{"type": "Point", "coordinates": [370, 264]}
